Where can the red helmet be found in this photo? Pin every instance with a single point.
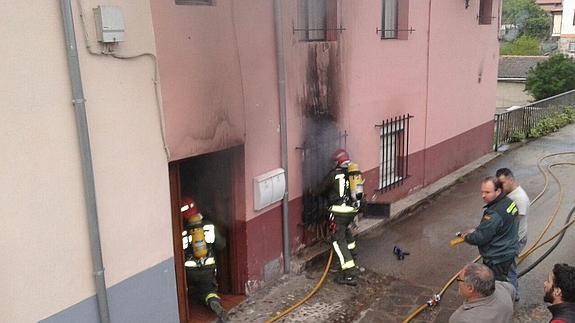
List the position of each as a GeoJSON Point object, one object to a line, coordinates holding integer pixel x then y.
{"type": "Point", "coordinates": [188, 208]}
{"type": "Point", "coordinates": [340, 156]}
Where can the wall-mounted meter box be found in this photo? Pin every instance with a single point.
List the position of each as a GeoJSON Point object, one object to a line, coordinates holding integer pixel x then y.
{"type": "Point", "coordinates": [269, 188]}
{"type": "Point", "coordinates": [109, 24]}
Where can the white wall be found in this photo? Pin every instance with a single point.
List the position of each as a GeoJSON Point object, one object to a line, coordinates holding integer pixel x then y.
{"type": "Point", "coordinates": [46, 262]}
{"type": "Point", "coordinates": [567, 27]}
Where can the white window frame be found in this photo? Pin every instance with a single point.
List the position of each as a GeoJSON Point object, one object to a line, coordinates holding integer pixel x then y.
{"type": "Point", "coordinates": [393, 130]}
{"type": "Point", "coordinates": [571, 47]}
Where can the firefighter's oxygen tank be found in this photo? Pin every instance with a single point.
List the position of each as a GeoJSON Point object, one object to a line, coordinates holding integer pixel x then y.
{"type": "Point", "coordinates": [199, 246]}
{"type": "Point", "coordinates": [355, 181]}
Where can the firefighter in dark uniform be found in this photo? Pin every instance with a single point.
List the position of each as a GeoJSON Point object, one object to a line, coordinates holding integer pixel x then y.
{"type": "Point", "coordinates": [343, 187]}
{"type": "Point", "coordinates": [199, 240]}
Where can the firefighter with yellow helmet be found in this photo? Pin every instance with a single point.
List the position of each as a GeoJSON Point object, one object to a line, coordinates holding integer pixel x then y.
{"type": "Point", "coordinates": [198, 239]}
{"type": "Point", "coordinates": [343, 187]}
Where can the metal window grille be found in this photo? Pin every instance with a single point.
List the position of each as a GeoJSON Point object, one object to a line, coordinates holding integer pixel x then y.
{"type": "Point", "coordinates": [195, 2]}
{"type": "Point", "coordinates": [394, 152]}
{"type": "Point", "coordinates": [389, 19]}
{"type": "Point", "coordinates": [312, 19]}
{"type": "Point", "coordinates": [317, 152]}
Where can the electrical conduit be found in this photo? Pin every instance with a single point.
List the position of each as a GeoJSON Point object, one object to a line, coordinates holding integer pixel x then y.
{"type": "Point", "coordinates": [280, 62]}
{"type": "Point", "coordinates": [85, 152]}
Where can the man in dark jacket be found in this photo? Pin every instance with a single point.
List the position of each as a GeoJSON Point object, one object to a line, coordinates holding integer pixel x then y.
{"type": "Point", "coordinates": [496, 236]}
{"type": "Point", "coordinates": [560, 292]}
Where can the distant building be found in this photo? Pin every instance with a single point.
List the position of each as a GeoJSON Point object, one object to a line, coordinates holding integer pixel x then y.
{"type": "Point", "coordinates": [563, 23]}
{"type": "Point", "coordinates": [511, 79]}
{"type": "Point", "coordinates": [555, 8]}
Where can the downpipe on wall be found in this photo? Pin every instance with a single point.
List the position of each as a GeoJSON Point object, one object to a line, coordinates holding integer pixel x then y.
{"type": "Point", "coordinates": [86, 155]}
{"type": "Point", "coordinates": [278, 24]}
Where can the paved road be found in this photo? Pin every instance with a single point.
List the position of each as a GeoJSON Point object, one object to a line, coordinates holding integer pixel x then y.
{"type": "Point", "coordinates": [426, 233]}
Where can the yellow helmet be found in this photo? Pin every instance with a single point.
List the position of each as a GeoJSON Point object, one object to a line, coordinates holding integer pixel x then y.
{"type": "Point", "coordinates": [353, 167]}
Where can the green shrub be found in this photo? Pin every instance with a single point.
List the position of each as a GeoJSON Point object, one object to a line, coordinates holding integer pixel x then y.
{"type": "Point", "coordinates": [554, 76]}
{"type": "Point", "coordinates": [517, 136]}
{"type": "Point", "coordinates": [524, 45]}
{"type": "Point", "coordinates": [553, 123]}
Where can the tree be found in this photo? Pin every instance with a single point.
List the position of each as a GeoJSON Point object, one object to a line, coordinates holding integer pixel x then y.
{"type": "Point", "coordinates": [554, 76]}
{"type": "Point", "coordinates": [527, 17]}
{"type": "Point", "coordinates": [524, 45]}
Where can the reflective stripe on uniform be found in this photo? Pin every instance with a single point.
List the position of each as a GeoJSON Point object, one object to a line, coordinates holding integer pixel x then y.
{"type": "Point", "coordinates": [512, 208]}
{"type": "Point", "coordinates": [341, 181]}
{"type": "Point", "coordinates": [348, 265]}
{"type": "Point", "coordinates": [342, 208]}
{"type": "Point", "coordinates": [191, 264]}
{"type": "Point", "coordinates": [211, 295]}
{"type": "Point", "coordinates": [344, 265]}
{"type": "Point", "coordinates": [210, 261]}
{"type": "Point", "coordinates": [185, 242]}
{"type": "Point", "coordinates": [338, 252]}
{"type": "Point", "coordinates": [209, 233]}
{"type": "Point", "coordinates": [351, 246]}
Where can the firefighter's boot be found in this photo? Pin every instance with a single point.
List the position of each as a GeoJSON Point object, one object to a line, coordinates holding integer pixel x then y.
{"type": "Point", "coordinates": [217, 308]}
{"type": "Point", "coordinates": [347, 278]}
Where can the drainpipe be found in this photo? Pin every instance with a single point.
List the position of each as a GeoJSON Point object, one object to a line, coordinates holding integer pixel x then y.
{"type": "Point", "coordinates": [278, 23]}
{"type": "Point", "coordinates": [87, 170]}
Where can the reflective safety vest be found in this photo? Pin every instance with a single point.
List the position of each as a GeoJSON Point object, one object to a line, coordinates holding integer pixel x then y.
{"type": "Point", "coordinates": [187, 241]}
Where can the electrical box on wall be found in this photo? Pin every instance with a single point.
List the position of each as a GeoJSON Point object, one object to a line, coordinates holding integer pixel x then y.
{"type": "Point", "coordinates": [269, 188]}
{"type": "Point", "coordinates": [109, 24]}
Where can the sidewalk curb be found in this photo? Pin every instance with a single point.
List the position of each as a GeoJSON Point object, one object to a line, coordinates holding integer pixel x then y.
{"type": "Point", "coordinates": [399, 210]}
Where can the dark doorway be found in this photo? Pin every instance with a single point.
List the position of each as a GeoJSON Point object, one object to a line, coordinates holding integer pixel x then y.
{"type": "Point", "coordinates": [215, 182]}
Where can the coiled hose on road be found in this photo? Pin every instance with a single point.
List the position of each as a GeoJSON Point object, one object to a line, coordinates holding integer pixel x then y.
{"type": "Point", "coordinates": [534, 246]}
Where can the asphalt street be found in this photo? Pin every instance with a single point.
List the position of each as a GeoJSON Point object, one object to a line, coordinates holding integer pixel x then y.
{"type": "Point", "coordinates": [426, 233]}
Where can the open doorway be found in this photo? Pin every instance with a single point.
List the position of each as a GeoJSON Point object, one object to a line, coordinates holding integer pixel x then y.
{"type": "Point", "coordinates": [216, 183]}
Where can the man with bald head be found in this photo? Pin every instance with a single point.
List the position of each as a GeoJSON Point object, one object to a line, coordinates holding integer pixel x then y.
{"type": "Point", "coordinates": [485, 299]}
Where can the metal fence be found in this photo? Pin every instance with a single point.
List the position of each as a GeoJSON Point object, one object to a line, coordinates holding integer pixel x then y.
{"type": "Point", "coordinates": [517, 123]}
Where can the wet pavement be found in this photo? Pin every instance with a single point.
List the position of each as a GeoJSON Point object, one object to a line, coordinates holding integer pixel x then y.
{"type": "Point", "coordinates": [390, 289]}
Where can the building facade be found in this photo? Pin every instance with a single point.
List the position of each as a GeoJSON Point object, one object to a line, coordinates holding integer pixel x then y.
{"type": "Point", "coordinates": [567, 37]}
{"type": "Point", "coordinates": [211, 128]}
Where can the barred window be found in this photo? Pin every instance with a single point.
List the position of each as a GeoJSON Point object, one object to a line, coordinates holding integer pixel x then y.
{"type": "Point", "coordinates": [394, 19]}
{"type": "Point", "coordinates": [394, 152]}
{"type": "Point", "coordinates": [389, 19]}
{"type": "Point", "coordinates": [317, 20]}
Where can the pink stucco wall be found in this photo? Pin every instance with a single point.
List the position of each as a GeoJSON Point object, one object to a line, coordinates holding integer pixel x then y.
{"type": "Point", "coordinates": [219, 83]}
{"type": "Point", "coordinates": [201, 77]}
{"type": "Point", "coordinates": [218, 72]}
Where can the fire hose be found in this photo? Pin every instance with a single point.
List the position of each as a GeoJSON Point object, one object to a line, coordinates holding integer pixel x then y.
{"type": "Point", "coordinates": [434, 300]}
{"type": "Point", "coordinates": [309, 295]}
